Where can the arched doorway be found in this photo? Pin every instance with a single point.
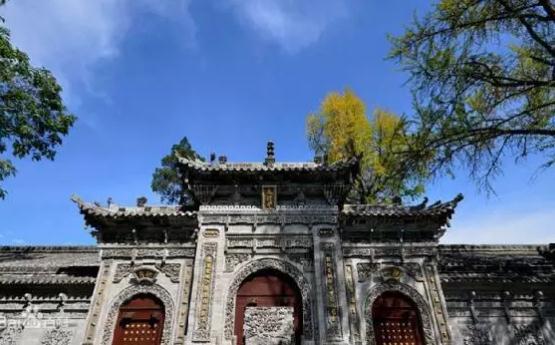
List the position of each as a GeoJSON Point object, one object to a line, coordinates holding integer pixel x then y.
{"type": "Point", "coordinates": [268, 288]}
{"type": "Point", "coordinates": [396, 320]}
{"type": "Point", "coordinates": [140, 321]}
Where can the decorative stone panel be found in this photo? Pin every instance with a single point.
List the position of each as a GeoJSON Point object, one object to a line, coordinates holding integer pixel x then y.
{"type": "Point", "coordinates": [333, 319]}
{"type": "Point", "coordinates": [351, 303]}
{"type": "Point", "coordinates": [279, 265]}
{"type": "Point", "coordinates": [528, 334]}
{"type": "Point", "coordinates": [57, 336]}
{"type": "Point", "coordinates": [438, 307]}
{"type": "Point", "coordinates": [11, 335]}
{"type": "Point", "coordinates": [204, 292]}
{"type": "Point", "coordinates": [477, 334]}
{"type": "Point", "coordinates": [268, 326]}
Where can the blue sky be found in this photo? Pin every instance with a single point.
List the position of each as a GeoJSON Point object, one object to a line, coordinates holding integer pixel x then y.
{"type": "Point", "coordinates": [229, 75]}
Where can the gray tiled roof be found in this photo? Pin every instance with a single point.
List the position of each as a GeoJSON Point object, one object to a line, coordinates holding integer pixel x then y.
{"type": "Point", "coordinates": [46, 258]}
{"type": "Point", "coordinates": [422, 210]}
{"type": "Point", "coordinates": [494, 264]}
{"type": "Point", "coordinates": [261, 167]}
{"type": "Point", "coordinates": [48, 265]}
{"type": "Point", "coordinates": [115, 211]}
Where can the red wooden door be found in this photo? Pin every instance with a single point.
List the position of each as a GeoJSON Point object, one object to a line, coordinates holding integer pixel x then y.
{"type": "Point", "coordinates": [268, 288]}
{"type": "Point", "coordinates": [396, 320]}
{"type": "Point", "coordinates": [140, 322]}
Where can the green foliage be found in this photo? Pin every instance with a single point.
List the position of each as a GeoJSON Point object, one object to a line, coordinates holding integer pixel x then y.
{"type": "Point", "coordinates": [166, 180]}
{"type": "Point", "coordinates": [341, 130]}
{"type": "Point", "coordinates": [483, 77]}
{"type": "Point", "coordinates": [33, 118]}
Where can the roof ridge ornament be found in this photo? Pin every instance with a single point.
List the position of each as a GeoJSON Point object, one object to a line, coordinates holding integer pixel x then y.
{"type": "Point", "coordinates": [270, 156]}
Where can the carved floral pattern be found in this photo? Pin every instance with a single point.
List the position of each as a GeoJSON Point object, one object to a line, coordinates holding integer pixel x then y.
{"type": "Point", "coordinates": [171, 270]}
{"type": "Point", "coordinates": [268, 325]}
{"type": "Point", "coordinates": [366, 269]}
{"type": "Point", "coordinates": [10, 335]}
{"type": "Point", "coordinates": [333, 326]}
{"type": "Point", "coordinates": [421, 304]}
{"type": "Point", "coordinates": [477, 335]}
{"type": "Point", "coordinates": [282, 266]}
{"type": "Point", "coordinates": [530, 334]}
{"type": "Point", "coordinates": [57, 336]}
{"type": "Point", "coordinates": [129, 293]}
{"type": "Point", "coordinates": [235, 259]}
{"type": "Point", "coordinates": [204, 292]}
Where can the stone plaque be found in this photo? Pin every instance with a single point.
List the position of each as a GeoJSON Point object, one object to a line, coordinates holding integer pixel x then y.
{"type": "Point", "coordinates": [268, 326]}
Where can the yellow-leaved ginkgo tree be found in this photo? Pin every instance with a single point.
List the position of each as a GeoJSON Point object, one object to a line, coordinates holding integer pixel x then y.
{"type": "Point", "coordinates": [341, 130]}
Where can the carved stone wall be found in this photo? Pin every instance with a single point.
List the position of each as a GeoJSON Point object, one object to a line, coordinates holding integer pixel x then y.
{"type": "Point", "coordinates": [205, 293]}
{"type": "Point", "coordinates": [331, 300]}
{"type": "Point", "coordinates": [268, 326]}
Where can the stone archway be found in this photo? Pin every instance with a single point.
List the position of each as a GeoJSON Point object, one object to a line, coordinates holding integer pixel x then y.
{"type": "Point", "coordinates": [126, 295]}
{"type": "Point", "coordinates": [409, 292]}
{"type": "Point", "coordinates": [278, 265]}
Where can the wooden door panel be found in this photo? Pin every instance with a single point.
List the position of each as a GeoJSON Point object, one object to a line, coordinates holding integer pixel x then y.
{"type": "Point", "coordinates": [396, 320]}
{"type": "Point", "coordinates": [140, 322]}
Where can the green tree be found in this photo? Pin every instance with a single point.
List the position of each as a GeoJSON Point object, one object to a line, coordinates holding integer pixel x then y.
{"type": "Point", "coordinates": [33, 118]}
{"type": "Point", "coordinates": [483, 77]}
{"type": "Point", "coordinates": [341, 130]}
{"type": "Point", "coordinates": [165, 179]}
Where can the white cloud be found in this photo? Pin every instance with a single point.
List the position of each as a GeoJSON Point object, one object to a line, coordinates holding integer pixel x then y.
{"type": "Point", "coordinates": [293, 24]}
{"type": "Point", "coordinates": [70, 36]}
{"type": "Point", "coordinates": [516, 227]}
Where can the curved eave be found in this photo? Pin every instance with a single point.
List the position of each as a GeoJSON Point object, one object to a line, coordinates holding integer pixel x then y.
{"type": "Point", "coordinates": [98, 215]}
{"type": "Point", "coordinates": [435, 211]}
{"type": "Point", "coordinates": [6, 280]}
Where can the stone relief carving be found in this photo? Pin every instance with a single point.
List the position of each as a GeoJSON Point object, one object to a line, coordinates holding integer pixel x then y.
{"type": "Point", "coordinates": [358, 252]}
{"type": "Point", "coordinates": [204, 292]}
{"type": "Point", "coordinates": [235, 259]}
{"type": "Point", "coordinates": [10, 335]}
{"type": "Point", "coordinates": [351, 300]}
{"type": "Point", "coordinates": [57, 336]}
{"type": "Point", "coordinates": [171, 270]}
{"type": "Point", "coordinates": [183, 309]}
{"type": "Point", "coordinates": [530, 334]}
{"type": "Point", "coordinates": [268, 326]}
{"type": "Point", "coordinates": [333, 321]}
{"type": "Point", "coordinates": [305, 259]}
{"type": "Point", "coordinates": [279, 265]}
{"type": "Point", "coordinates": [98, 302]}
{"type": "Point", "coordinates": [438, 310]}
{"type": "Point", "coordinates": [129, 293]}
{"type": "Point", "coordinates": [414, 270]}
{"type": "Point", "coordinates": [272, 217]}
{"type": "Point", "coordinates": [122, 271]}
{"type": "Point", "coordinates": [280, 242]}
{"type": "Point", "coordinates": [160, 253]}
{"type": "Point", "coordinates": [421, 304]}
{"type": "Point", "coordinates": [477, 334]}
{"type": "Point", "coordinates": [366, 269]}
